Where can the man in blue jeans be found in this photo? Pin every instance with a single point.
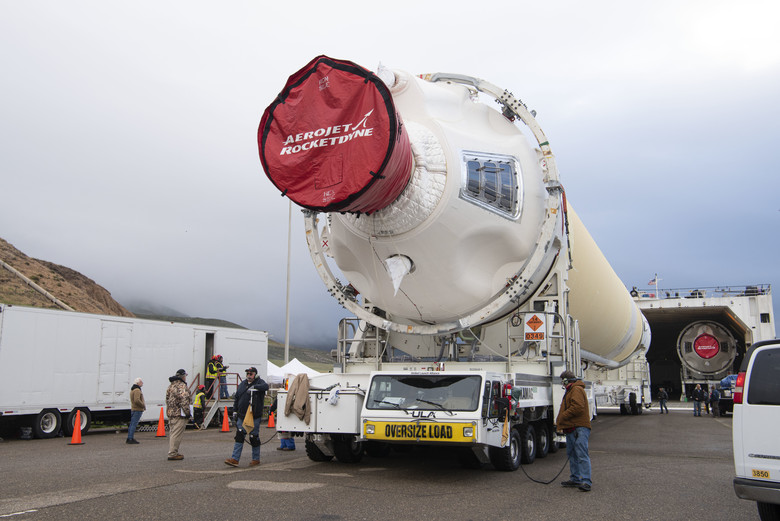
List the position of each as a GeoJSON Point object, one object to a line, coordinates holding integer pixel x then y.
{"type": "Point", "coordinates": [250, 393]}
{"type": "Point", "coordinates": [574, 420]}
{"type": "Point", "coordinates": [137, 408]}
{"type": "Point", "coordinates": [698, 396]}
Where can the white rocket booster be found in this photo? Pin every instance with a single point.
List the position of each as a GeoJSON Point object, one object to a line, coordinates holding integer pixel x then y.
{"type": "Point", "coordinates": [441, 212]}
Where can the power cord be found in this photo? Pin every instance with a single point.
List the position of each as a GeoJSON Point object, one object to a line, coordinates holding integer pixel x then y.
{"type": "Point", "coordinates": [545, 482]}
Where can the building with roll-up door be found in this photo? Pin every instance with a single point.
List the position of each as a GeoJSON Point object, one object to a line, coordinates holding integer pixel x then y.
{"type": "Point", "coordinates": [700, 335]}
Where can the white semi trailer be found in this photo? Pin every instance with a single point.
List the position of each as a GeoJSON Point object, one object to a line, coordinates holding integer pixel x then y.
{"type": "Point", "coordinates": [57, 364]}
{"type": "Point", "coordinates": [472, 281]}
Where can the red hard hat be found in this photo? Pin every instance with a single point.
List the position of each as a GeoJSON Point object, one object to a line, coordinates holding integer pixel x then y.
{"type": "Point", "coordinates": [201, 387]}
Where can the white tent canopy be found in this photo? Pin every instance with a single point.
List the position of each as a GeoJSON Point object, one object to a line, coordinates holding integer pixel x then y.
{"type": "Point", "coordinates": [294, 367]}
{"type": "Point", "coordinates": [275, 373]}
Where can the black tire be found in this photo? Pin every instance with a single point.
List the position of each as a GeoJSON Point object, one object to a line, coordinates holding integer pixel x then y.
{"type": "Point", "coordinates": [507, 458]}
{"type": "Point", "coordinates": [633, 406]}
{"type": "Point", "coordinates": [554, 446]}
{"type": "Point", "coordinates": [348, 450]}
{"type": "Point", "coordinates": [314, 452]}
{"type": "Point", "coordinates": [527, 444]}
{"type": "Point", "coordinates": [543, 440]}
{"type": "Point", "coordinates": [70, 422]}
{"type": "Point", "coordinates": [468, 460]}
{"type": "Point", "coordinates": [47, 423]}
{"type": "Point", "coordinates": [768, 511]}
{"type": "Point", "coordinates": [623, 409]}
{"type": "Point", "coordinates": [378, 449]}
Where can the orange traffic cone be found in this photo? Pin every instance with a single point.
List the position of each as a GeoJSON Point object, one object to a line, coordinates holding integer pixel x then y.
{"type": "Point", "coordinates": [225, 422]}
{"type": "Point", "coordinates": [161, 425]}
{"type": "Point", "coordinates": [76, 438]}
{"type": "Point", "coordinates": [271, 423]}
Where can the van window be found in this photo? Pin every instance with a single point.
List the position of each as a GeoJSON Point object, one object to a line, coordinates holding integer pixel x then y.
{"type": "Point", "coordinates": [764, 385]}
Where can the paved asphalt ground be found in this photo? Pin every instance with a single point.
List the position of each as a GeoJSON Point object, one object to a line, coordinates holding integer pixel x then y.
{"type": "Point", "coordinates": [647, 467]}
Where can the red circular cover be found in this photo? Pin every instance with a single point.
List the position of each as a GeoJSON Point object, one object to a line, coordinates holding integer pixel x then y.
{"type": "Point", "coordinates": [333, 141]}
{"type": "Point", "coordinates": [706, 346]}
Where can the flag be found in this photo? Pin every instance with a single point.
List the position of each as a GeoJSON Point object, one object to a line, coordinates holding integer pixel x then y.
{"type": "Point", "coordinates": [653, 282]}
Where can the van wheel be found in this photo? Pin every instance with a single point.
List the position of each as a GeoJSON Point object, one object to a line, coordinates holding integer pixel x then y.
{"type": "Point", "coordinates": [632, 404]}
{"type": "Point", "coordinates": [70, 422]}
{"type": "Point", "coordinates": [768, 511]}
{"type": "Point", "coordinates": [47, 423]}
{"type": "Point", "coordinates": [348, 450]}
{"type": "Point", "coordinates": [507, 458]}
{"type": "Point", "coordinates": [542, 440]}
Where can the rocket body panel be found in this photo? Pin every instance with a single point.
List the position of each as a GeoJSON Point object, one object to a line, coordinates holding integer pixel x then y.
{"type": "Point", "coordinates": [611, 324]}
{"type": "Point", "coordinates": [463, 251]}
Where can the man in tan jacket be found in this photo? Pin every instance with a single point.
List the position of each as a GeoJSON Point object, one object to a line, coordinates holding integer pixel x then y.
{"type": "Point", "coordinates": [137, 408]}
{"type": "Point", "coordinates": [574, 421]}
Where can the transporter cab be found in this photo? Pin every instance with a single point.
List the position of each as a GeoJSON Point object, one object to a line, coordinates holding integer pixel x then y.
{"type": "Point", "coordinates": [481, 413]}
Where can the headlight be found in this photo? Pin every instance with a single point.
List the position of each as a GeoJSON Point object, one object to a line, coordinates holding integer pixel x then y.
{"type": "Point", "coordinates": [468, 432]}
{"type": "Point", "coordinates": [369, 428]}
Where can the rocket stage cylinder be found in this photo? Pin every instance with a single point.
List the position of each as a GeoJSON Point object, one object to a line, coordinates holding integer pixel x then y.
{"type": "Point", "coordinates": [706, 347]}
{"type": "Point", "coordinates": [436, 237]}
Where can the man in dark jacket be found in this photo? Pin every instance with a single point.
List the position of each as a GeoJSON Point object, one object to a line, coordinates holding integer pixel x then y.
{"type": "Point", "coordinates": [574, 420]}
{"type": "Point", "coordinates": [250, 393]}
{"type": "Point", "coordinates": [697, 396]}
{"type": "Point", "coordinates": [714, 402]}
{"type": "Point", "coordinates": [663, 396]}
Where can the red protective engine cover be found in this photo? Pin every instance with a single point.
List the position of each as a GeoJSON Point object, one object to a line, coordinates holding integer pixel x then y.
{"type": "Point", "coordinates": [333, 141]}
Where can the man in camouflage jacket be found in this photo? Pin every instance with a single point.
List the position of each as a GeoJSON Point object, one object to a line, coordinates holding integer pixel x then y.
{"type": "Point", "coordinates": [177, 402]}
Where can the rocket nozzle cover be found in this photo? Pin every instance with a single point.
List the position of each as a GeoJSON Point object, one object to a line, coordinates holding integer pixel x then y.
{"type": "Point", "coordinates": [332, 140]}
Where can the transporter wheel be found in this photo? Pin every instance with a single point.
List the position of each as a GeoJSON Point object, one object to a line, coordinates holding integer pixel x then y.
{"type": "Point", "coordinates": [632, 404]}
{"type": "Point", "coordinates": [507, 458]}
{"type": "Point", "coordinates": [348, 449]}
{"type": "Point", "coordinates": [768, 511]}
{"type": "Point", "coordinates": [314, 452]}
{"type": "Point", "coordinates": [527, 444]}
{"type": "Point", "coordinates": [542, 440]}
{"type": "Point", "coordinates": [47, 423]}
{"type": "Point", "coordinates": [467, 459]}
{"type": "Point", "coordinates": [70, 422]}
{"type": "Point", "coordinates": [377, 449]}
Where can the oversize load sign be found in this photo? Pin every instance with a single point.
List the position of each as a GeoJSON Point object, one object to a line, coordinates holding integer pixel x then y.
{"type": "Point", "coordinates": [534, 327]}
{"type": "Point", "coordinates": [419, 431]}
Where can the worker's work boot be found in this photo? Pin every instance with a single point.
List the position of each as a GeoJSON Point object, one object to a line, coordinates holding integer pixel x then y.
{"type": "Point", "coordinates": [231, 462]}
{"type": "Point", "coordinates": [254, 463]}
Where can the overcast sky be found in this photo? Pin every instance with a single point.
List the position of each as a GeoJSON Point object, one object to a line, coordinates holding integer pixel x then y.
{"type": "Point", "coordinates": [128, 135]}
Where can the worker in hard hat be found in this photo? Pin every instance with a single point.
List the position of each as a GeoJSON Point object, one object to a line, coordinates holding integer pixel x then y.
{"type": "Point", "coordinates": [198, 406]}
{"type": "Point", "coordinates": [211, 376]}
{"type": "Point", "coordinates": [574, 421]}
{"type": "Point", "coordinates": [222, 375]}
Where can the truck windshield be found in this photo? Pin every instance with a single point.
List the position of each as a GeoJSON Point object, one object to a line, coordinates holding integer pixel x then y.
{"type": "Point", "coordinates": [425, 392]}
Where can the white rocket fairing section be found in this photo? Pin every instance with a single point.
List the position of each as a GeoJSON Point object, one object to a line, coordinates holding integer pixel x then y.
{"type": "Point", "coordinates": [441, 212]}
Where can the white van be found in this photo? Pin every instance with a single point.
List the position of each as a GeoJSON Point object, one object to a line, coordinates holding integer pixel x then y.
{"type": "Point", "coordinates": [756, 428]}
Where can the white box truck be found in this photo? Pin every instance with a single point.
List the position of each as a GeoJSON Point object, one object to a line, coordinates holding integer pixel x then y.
{"type": "Point", "coordinates": [58, 363]}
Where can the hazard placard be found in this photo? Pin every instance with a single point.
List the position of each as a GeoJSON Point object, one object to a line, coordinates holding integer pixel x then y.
{"type": "Point", "coordinates": [534, 327]}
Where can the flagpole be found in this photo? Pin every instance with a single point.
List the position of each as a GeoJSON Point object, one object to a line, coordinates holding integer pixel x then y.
{"type": "Point", "coordinates": [287, 312]}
